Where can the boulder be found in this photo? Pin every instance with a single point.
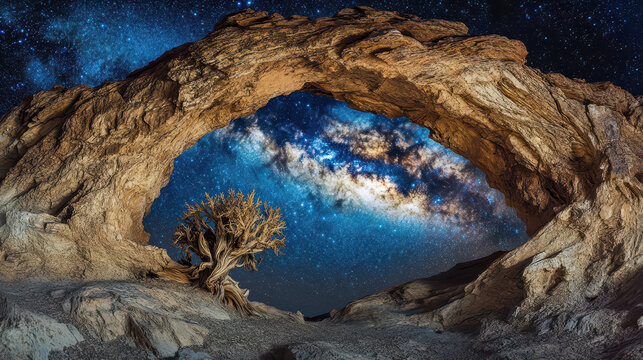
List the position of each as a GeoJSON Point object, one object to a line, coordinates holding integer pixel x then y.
{"type": "Point", "coordinates": [28, 335]}
{"type": "Point", "coordinates": [157, 319]}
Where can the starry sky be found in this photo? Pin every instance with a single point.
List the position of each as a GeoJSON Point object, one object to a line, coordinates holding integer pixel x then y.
{"type": "Point", "coordinates": [369, 202]}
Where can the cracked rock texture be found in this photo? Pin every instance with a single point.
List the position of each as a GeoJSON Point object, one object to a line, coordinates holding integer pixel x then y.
{"type": "Point", "coordinates": [161, 321]}
{"type": "Point", "coordinates": [28, 335]}
{"type": "Point", "coordinates": [80, 167]}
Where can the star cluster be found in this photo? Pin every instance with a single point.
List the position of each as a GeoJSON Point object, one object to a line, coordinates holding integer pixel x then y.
{"type": "Point", "coordinates": [369, 201]}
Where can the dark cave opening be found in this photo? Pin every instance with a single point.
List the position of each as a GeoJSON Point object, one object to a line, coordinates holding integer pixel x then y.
{"type": "Point", "coordinates": [369, 202]}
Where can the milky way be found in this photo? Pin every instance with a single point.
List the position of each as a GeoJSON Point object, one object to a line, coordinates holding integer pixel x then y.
{"type": "Point", "coordinates": [369, 201]}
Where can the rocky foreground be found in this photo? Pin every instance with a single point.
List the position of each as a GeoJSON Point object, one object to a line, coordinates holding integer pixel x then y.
{"type": "Point", "coordinates": [157, 319]}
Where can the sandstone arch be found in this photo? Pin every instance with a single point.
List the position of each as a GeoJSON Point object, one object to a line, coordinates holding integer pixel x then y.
{"type": "Point", "coordinates": [80, 167]}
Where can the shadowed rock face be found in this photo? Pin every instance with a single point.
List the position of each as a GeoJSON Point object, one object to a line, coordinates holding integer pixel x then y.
{"type": "Point", "coordinates": [80, 167]}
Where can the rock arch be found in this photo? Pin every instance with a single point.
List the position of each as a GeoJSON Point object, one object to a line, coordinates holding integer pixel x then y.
{"type": "Point", "coordinates": [80, 167]}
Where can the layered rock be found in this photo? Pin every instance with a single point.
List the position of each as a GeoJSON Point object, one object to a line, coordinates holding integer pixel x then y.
{"type": "Point", "coordinates": [409, 303]}
{"type": "Point", "coordinates": [80, 167]}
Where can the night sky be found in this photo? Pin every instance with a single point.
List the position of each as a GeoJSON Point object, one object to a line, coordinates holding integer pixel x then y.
{"type": "Point", "coordinates": [369, 202]}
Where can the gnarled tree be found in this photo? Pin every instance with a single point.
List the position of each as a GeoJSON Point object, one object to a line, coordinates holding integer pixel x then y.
{"type": "Point", "coordinates": [226, 232]}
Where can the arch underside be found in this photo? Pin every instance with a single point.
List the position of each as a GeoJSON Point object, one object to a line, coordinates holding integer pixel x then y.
{"type": "Point", "coordinates": [80, 167]}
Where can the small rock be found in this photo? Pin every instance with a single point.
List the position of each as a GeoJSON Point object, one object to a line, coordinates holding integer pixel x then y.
{"type": "Point", "coordinates": [57, 294]}
{"type": "Point", "coordinates": [189, 354]}
{"type": "Point", "coordinates": [267, 311]}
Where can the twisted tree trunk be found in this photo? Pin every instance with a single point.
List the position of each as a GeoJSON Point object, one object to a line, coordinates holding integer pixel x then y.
{"type": "Point", "coordinates": [241, 230]}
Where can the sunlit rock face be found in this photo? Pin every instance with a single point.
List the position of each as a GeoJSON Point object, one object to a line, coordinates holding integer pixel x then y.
{"type": "Point", "coordinates": [369, 202]}
{"type": "Point", "coordinates": [80, 167]}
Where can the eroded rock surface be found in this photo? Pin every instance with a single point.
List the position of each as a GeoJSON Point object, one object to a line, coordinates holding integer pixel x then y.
{"type": "Point", "coordinates": [267, 336]}
{"type": "Point", "coordinates": [573, 268]}
{"type": "Point", "coordinates": [409, 303]}
{"type": "Point", "coordinates": [568, 336]}
{"type": "Point", "coordinates": [271, 312]}
{"type": "Point", "coordinates": [28, 335]}
{"type": "Point", "coordinates": [80, 167]}
{"type": "Point", "coordinates": [157, 319]}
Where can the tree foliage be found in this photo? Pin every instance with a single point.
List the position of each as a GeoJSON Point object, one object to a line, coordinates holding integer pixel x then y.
{"type": "Point", "coordinates": [227, 232]}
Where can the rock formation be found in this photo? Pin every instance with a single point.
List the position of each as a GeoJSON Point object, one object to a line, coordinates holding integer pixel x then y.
{"type": "Point", "coordinates": [151, 315]}
{"type": "Point", "coordinates": [80, 167]}
{"type": "Point", "coordinates": [28, 335]}
{"type": "Point", "coordinates": [412, 301]}
{"type": "Point", "coordinates": [147, 315]}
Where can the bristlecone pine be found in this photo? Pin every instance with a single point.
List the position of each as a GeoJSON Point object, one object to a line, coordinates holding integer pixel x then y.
{"type": "Point", "coordinates": [227, 232]}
